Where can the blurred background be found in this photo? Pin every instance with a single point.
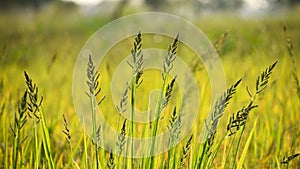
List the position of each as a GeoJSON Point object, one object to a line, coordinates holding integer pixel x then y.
{"type": "Point", "coordinates": [188, 8]}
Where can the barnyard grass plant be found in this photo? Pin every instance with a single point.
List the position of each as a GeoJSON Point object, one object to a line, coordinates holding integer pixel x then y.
{"type": "Point", "coordinates": [34, 103]}
{"type": "Point", "coordinates": [94, 90]}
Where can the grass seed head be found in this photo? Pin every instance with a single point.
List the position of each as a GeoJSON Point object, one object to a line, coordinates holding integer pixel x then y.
{"type": "Point", "coordinates": [122, 138]}
{"type": "Point", "coordinates": [238, 120]}
{"type": "Point", "coordinates": [185, 152]}
{"type": "Point", "coordinates": [66, 130]}
{"type": "Point", "coordinates": [34, 101]}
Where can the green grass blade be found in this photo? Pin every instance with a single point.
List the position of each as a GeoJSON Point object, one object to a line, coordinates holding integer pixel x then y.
{"type": "Point", "coordinates": [244, 153]}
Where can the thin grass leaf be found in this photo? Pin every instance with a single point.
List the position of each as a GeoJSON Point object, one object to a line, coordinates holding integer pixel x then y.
{"type": "Point", "coordinates": [246, 148]}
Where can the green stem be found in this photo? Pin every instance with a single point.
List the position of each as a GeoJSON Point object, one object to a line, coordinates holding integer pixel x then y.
{"type": "Point", "coordinates": [238, 146]}
{"type": "Point", "coordinates": [229, 151]}
{"type": "Point", "coordinates": [132, 117]}
{"type": "Point", "coordinates": [36, 154]}
{"type": "Point", "coordinates": [169, 158]}
{"type": "Point", "coordinates": [158, 111]}
{"type": "Point", "coordinates": [202, 155]}
{"type": "Point", "coordinates": [85, 157]}
{"type": "Point", "coordinates": [70, 162]}
{"type": "Point", "coordinates": [174, 157]}
{"type": "Point", "coordinates": [46, 141]}
{"type": "Point", "coordinates": [94, 129]}
{"type": "Point", "coordinates": [16, 143]}
{"type": "Point", "coordinates": [211, 159]}
{"type": "Point", "coordinates": [118, 126]}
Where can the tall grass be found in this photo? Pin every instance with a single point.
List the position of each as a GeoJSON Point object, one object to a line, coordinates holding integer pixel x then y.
{"type": "Point", "coordinates": [93, 92]}
{"type": "Point", "coordinates": [137, 71]}
{"type": "Point", "coordinates": [34, 102]}
{"type": "Point", "coordinates": [166, 88]}
{"type": "Point", "coordinates": [19, 122]}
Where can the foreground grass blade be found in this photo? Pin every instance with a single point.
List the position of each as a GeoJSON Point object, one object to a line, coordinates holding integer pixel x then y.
{"type": "Point", "coordinates": [244, 153]}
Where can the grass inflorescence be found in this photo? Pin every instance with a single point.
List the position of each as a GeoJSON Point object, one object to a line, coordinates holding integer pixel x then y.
{"type": "Point", "coordinates": [34, 102]}
{"type": "Point", "coordinates": [93, 92]}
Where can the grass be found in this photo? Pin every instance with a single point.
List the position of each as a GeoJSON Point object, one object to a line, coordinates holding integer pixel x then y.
{"type": "Point", "coordinates": [254, 124]}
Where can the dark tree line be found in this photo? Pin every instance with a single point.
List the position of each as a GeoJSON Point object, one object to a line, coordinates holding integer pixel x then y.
{"type": "Point", "coordinates": [285, 2]}
{"type": "Point", "coordinates": [22, 3]}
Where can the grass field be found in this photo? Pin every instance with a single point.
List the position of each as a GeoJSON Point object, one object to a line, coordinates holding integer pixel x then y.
{"type": "Point", "coordinates": [46, 44]}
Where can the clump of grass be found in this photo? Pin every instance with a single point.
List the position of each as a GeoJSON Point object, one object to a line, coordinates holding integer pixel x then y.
{"type": "Point", "coordinates": [35, 108]}
{"type": "Point", "coordinates": [93, 92]}
{"type": "Point", "coordinates": [19, 122]}
{"type": "Point", "coordinates": [238, 120]}
{"type": "Point", "coordinates": [212, 122]}
{"type": "Point", "coordinates": [219, 108]}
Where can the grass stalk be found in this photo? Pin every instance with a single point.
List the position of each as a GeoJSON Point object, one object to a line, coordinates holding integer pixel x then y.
{"type": "Point", "coordinates": [35, 107]}
{"type": "Point", "coordinates": [66, 131]}
{"type": "Point", "coordinates": [245, 150]}
{"type": "Point", "coordinates": [237, 147]}
{"type": "Point", "coordinates": [229, 150]}
{"type": "Point", "coordinates": [166, 92]}
{"type": "Point", "coordinates": [132, 119]}
{"type": "Point", "coordinates": [19, 122]}
{"type": "Point", "coordinates": [92, 101]}
{"type": "Point", "coordinates": [93, 92]}
{"type": "Point", "coordinates": [214, 153]}
{"type": "Point", "coordinates": [137, 70]}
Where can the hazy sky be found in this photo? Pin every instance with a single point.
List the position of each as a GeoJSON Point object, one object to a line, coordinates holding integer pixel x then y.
{"type": "Point", "coordinates": [85, 2]}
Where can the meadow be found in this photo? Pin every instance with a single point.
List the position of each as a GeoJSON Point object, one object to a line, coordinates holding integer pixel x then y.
{"type": "Point", "coordinates": [256, 122]}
